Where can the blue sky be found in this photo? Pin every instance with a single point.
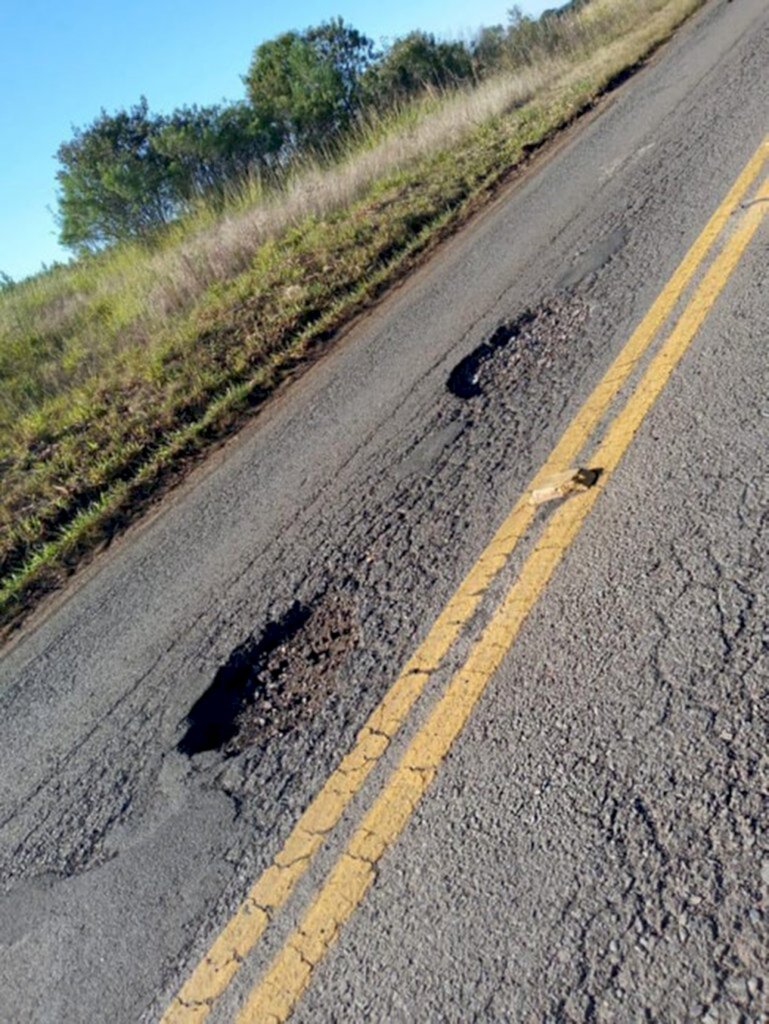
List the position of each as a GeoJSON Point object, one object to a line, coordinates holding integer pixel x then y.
{"type": "Point", "coordinates": [60, 63]}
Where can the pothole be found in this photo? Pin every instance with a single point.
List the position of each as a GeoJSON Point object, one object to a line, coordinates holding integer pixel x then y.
{"type": "Point", "coordinates": [464, 380]}
{"type": "Point", "coordinates": [520, 346]}
{"type": "Point", "coordinates": [271, 684]}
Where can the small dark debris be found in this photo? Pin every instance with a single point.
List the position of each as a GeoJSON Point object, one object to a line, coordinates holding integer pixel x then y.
{"type": "Point", "coordinates": [587, 477]}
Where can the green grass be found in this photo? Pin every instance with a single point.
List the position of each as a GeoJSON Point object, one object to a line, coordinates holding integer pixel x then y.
{"type": "Point", "coordinates": [119, 370]}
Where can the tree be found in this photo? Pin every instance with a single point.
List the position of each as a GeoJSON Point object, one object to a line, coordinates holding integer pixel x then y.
{"type": "Point", "coordinates": [414, 63]}
{"type": "Point", "coordinates": [529, 40]}
{"type": "Point", "coordinates": [489, 50]}
{"type": "Point", "coordinates": [349, 52]}
{"type": "Point", "coordinates": [208, 148]}
{"type": "Point", "coordinates": [131, 172]}
{"type": "Point", "coordinates": [113, 182]}
{"type": "Point", "coordinates": [305, 87]}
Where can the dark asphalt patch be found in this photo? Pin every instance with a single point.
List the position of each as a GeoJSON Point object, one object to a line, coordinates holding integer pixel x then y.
{"type": "Point", "coordinates": [594, 259]}
{"type": "Point", "coordinates": [269, 685]}
{"type": "Point", "coordinates": [423, 457]}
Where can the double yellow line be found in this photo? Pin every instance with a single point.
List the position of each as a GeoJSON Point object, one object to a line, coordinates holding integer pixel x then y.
{"type": "Point", "coordinates": [276, 994]}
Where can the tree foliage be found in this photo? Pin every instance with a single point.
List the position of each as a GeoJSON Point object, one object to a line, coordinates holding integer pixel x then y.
{"type": "Point", "coordinates": [305, 87]}
{"type": "Point", "coordinates": [207, 148]}
{"type": "Point", "coordinates": [528, 39]}
{"type": "Point", "coordinates": [130, 172]}
{"type": "Point", "coordinates": [489, 50]}
{"type": "Point", "coordinates": [113, 183]}
{"type": "Point", "coordinates": [414, 63]}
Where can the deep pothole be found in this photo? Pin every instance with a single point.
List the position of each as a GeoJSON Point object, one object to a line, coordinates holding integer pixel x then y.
{"type": "Point", "coordinates": [519, 348]}
{"type": "Point", "coordinates": [273, 683]}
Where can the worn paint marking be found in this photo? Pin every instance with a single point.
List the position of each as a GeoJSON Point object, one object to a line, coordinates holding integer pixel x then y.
{"type": "Point", "coordinates": [289, 974]}
{"type": "Point", "coordinates": [241, 933]}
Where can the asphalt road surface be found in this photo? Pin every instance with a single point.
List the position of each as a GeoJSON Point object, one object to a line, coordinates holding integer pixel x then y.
{"type": "Point", "coordinates": [559, 812]}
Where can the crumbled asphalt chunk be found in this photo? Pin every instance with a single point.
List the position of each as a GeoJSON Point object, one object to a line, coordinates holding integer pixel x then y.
{"type": "Point", "coordinates": [569, 481]}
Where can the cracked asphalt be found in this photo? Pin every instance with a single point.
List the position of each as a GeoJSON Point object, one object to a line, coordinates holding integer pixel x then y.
{"type": "Point", "coordinates": [594, 847]}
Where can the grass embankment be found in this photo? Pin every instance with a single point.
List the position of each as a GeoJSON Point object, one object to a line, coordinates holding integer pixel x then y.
{"type": "Point", "coordinates": [117, 370]}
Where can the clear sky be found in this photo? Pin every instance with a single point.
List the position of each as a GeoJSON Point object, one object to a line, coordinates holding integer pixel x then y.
{"type": "Point", "coordinates": [61, 62]}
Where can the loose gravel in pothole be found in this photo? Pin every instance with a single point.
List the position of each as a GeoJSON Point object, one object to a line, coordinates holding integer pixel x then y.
{"type": "Point", "coordinates": [518, 347]}
{"type": "Point", "coordinates": [270, 685]}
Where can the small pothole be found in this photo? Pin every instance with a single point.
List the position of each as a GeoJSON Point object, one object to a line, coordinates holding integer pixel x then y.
{"type": "Point", "coordinates": [519, 348]}
{"type": "Point", "coordinates": [463, 381]}
{"type": "Point", "coordinates": [272, 683]}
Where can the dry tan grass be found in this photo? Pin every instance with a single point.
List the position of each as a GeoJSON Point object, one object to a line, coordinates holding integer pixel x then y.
{"type": "Point", "coordinates": [592, 38]}
{"type": "Point", "coordinates": [224, 248]}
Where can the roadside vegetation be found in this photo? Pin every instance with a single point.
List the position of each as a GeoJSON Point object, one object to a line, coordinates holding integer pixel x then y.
{"type": "Point", "coordinates": [217, 247]}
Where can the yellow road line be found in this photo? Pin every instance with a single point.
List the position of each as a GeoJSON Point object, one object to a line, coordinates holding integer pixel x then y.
{"type": "Point", "coordinates": [244, 929]}
{"type": "Point", "coordinates": [274, 998]}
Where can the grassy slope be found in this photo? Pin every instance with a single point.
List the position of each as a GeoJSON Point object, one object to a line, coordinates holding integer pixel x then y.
{"type": "Point", "coordinates": [109, 390]}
